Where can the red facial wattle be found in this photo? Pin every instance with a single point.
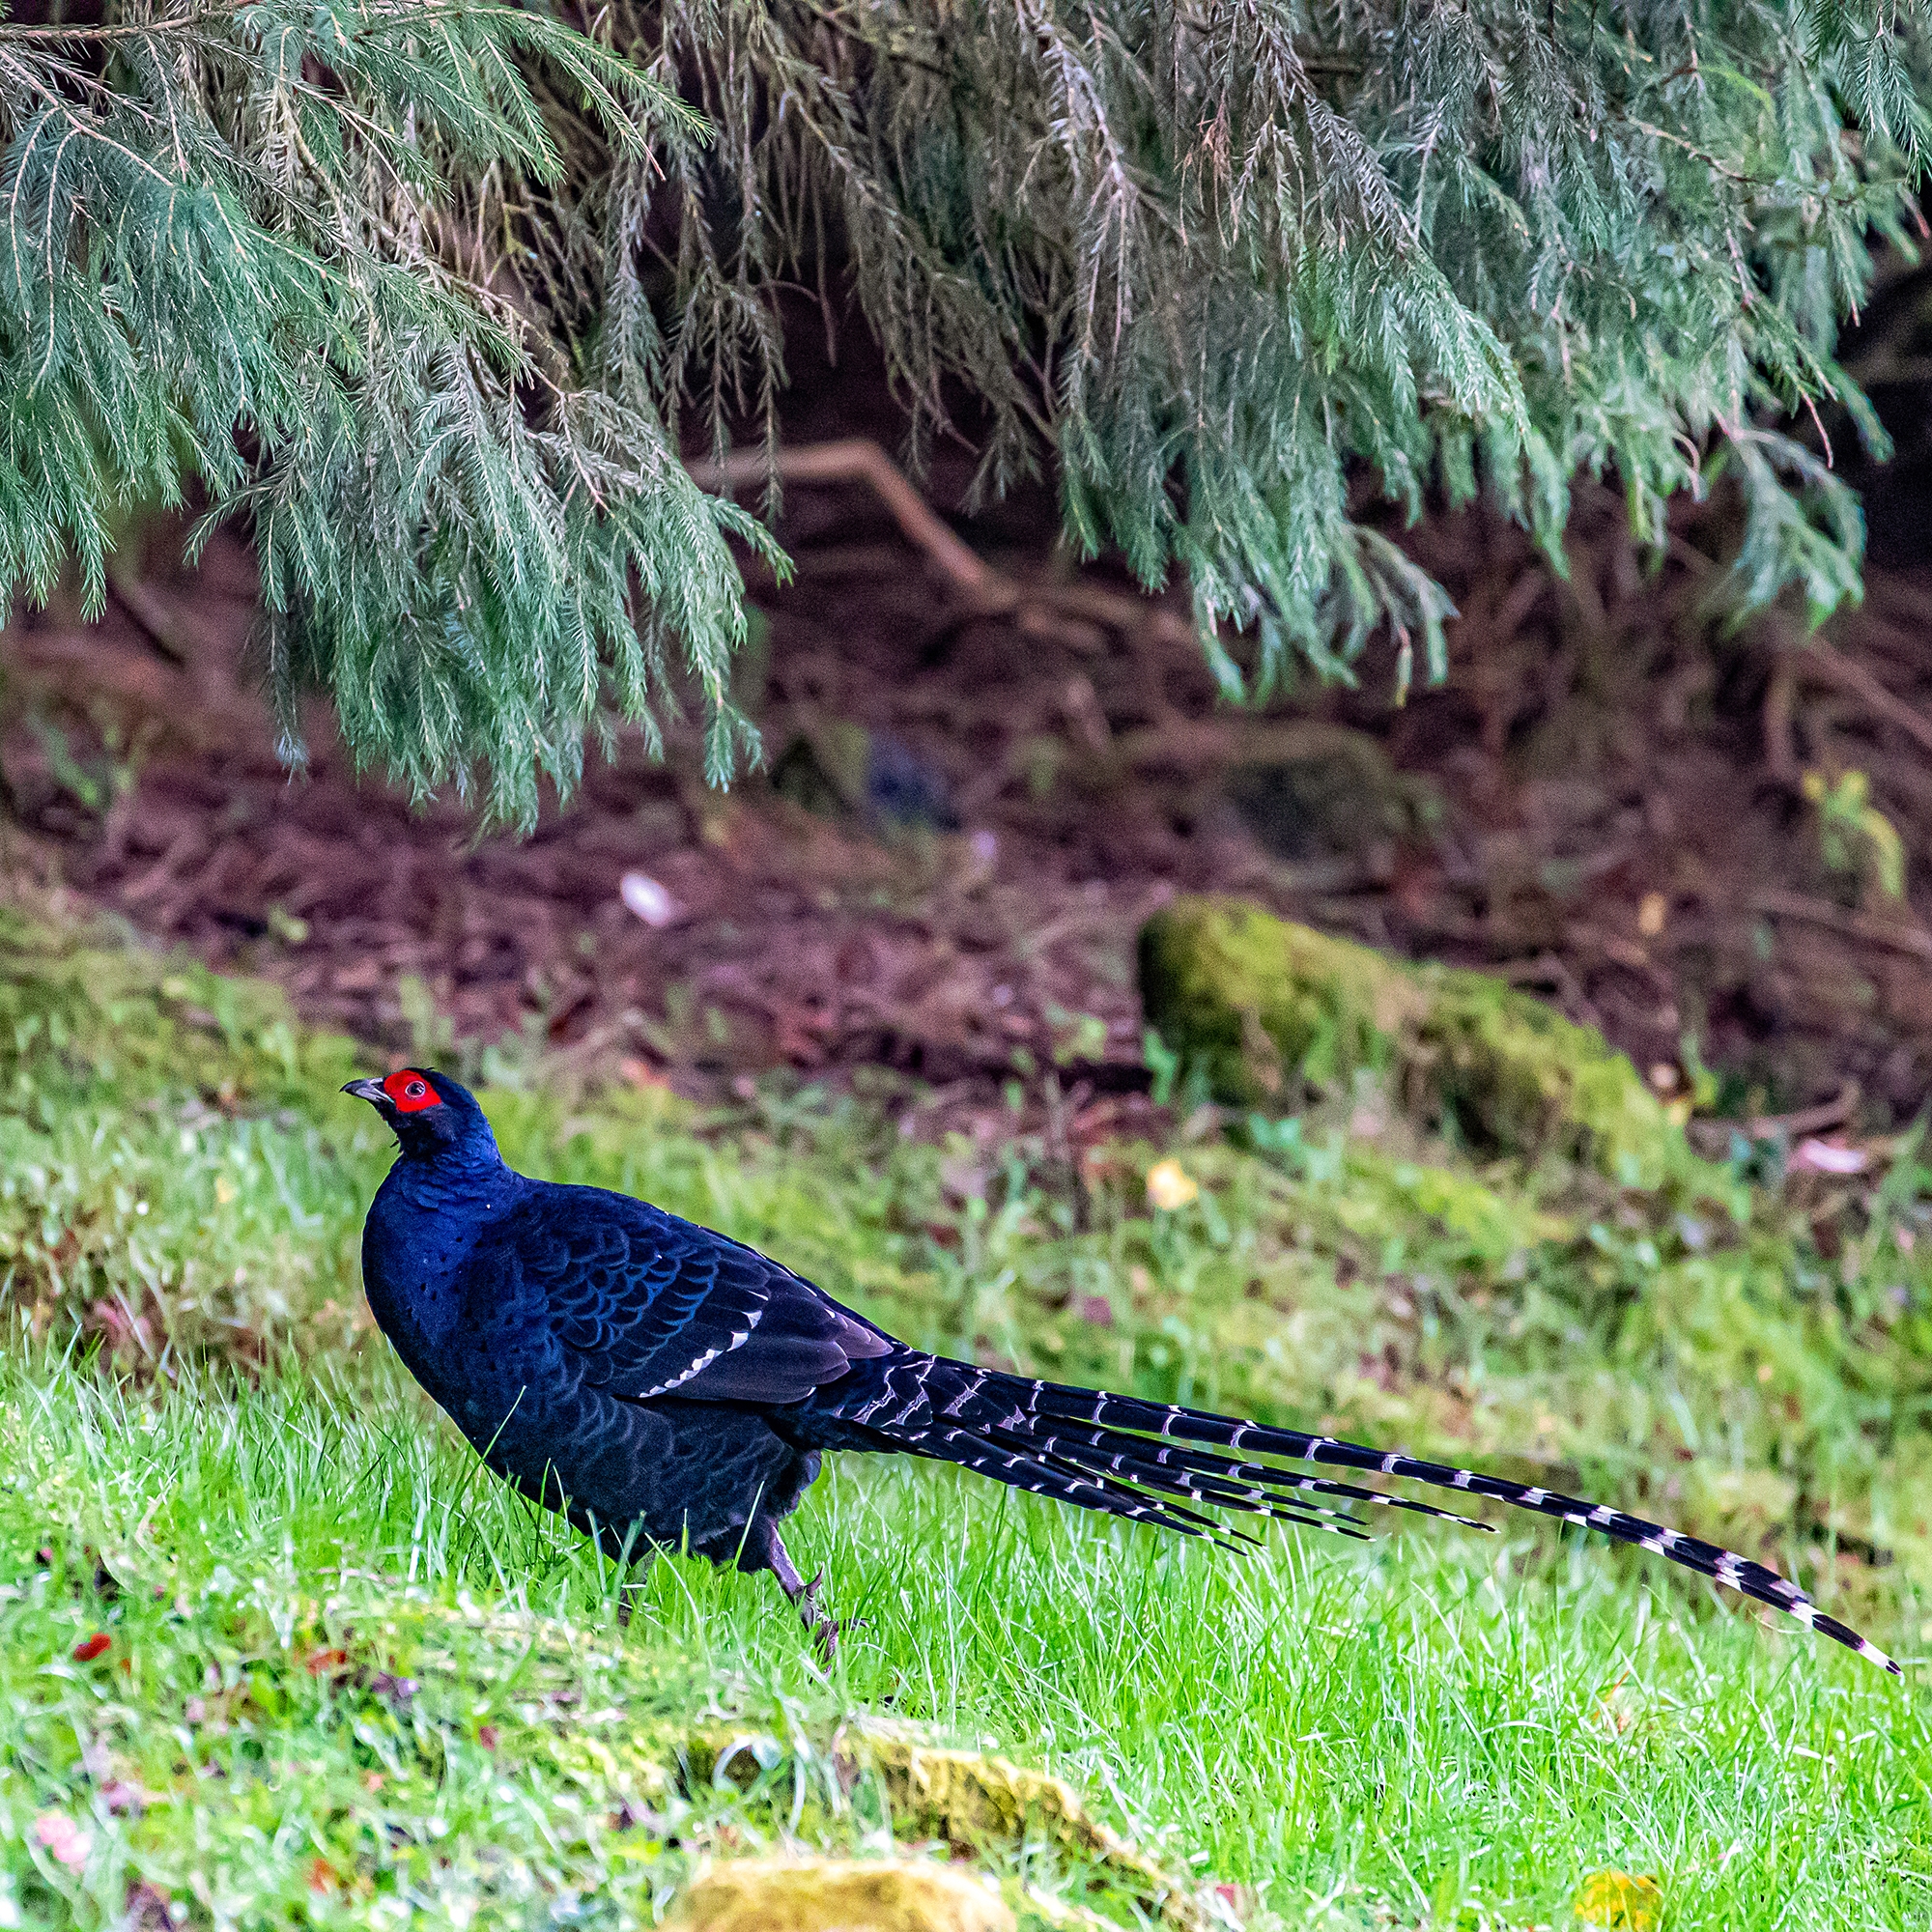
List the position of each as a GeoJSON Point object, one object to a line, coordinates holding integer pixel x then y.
{"type": "Point", "coordinates": [409, 1092]}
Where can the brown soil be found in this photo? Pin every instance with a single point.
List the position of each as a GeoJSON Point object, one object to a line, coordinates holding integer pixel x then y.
{"type": "Point", "coordinates": [1601, 802]}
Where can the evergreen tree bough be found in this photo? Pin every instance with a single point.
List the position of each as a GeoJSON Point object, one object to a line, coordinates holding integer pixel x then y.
{"type": "Point", "coordinates": [417, 289]}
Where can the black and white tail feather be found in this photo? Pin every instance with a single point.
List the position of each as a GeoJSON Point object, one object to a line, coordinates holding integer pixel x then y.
{"type": "Point", "coordinates": [1144, 1461]}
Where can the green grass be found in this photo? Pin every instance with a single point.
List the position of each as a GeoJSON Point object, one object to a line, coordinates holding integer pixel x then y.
{"type": "Point", "coordinates": [1439, 1730]}
{"type": "Point", "coordinates": [1430, 1728]}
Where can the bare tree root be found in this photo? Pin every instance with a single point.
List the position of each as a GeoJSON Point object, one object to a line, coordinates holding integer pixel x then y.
{"type": "Point", "coordinates": [1714, 1137]}
{"type": "Point", "coordinates": [859, 460]}
{"type": "Point", "coordinates": [1780, 697]}
{"type": "Point", "coordinates": [1900, 935]}
{"type": "Point", "coordinates": [1810, 659]}
{"type": "Point", "coordinates": [1817, 661]}
{"type": "Point", "coordinates": [150, 616]}
{"type": "Point", "coordinates": [1063, 611]}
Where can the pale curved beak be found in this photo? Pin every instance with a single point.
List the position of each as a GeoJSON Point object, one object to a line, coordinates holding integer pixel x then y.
{"type": "Point", "coordinates": [365, 1090]}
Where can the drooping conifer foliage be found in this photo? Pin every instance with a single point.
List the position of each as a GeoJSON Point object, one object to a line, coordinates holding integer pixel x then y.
{"type": "Point", "coordinates": [416, 289]}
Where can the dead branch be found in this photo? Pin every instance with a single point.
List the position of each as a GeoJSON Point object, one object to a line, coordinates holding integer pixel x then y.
{"type": "Point", "coordinates": [1551, 969]}
{"type": "Point", "coordinates": [1833, 1113]}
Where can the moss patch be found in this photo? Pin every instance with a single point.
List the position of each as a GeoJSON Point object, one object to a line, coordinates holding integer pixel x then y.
{"type": "Point", "coordinates": [840, 1896]}
{"type": "Point", "coordinates": [979, 1805]}
{"type": "Point", "coordinates": [81, 1015]}
{"type": "Point", "coordinates": [974, 1802]}
{"type": "Point", "coordinates": [1273, 1011]}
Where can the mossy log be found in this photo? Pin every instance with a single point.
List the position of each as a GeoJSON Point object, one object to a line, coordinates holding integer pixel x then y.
{"type": "Point", "coordinates": [1275, 1013]}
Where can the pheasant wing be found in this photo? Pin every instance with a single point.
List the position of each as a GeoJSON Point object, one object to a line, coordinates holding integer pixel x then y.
{"type": "Point", "coordinates": [652, 1305]}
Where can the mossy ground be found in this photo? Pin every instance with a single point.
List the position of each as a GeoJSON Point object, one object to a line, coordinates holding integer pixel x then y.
{"type": "Point", "coordinates": [349, 1680]}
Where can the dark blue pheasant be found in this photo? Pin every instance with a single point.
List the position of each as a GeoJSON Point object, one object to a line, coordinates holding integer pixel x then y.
{"type": "Point", "coordinates": [661, 1384]}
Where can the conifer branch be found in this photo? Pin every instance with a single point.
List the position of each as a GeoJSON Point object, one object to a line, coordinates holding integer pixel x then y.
{"type": "Point", "coordinates": [416, 293]}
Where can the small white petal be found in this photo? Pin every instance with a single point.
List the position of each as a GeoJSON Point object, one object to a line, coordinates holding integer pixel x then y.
{"type": "Point", "coordinates": [652, 902]}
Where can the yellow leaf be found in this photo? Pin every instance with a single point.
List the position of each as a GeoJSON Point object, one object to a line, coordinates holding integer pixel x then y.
{"type": "Point", "coordinates": [1620, 1903]}
{"type": "Point", "coordinates": [1170, 1185]}
{"type": "Point", "coordinates": [224, 1189]}
{"type": "Point", "coordinates": [1618, 1712]}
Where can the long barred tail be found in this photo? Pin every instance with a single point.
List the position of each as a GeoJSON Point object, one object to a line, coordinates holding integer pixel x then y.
{"type": "Point", "coordinates": [1129, 1458]}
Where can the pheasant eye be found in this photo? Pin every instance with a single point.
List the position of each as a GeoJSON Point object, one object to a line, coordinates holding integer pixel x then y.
{"type": "Point", "coordinates": [409, 1092]}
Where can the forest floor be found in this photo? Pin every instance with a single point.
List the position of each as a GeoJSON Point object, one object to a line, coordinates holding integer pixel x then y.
{"type": "Point", "coordinates": [967, 810]}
